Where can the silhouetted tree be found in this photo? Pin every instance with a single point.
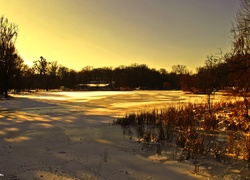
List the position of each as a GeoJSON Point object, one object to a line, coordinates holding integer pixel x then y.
{"type": "Point", "coordinates": [16, 73]}
{"type": "Point", "coordinates": [28, 81]}
{"type": "Point", "coordinates": [53, 78]}
{"type": "Point", "coordinates": [210, 78]}
{"type": "Point", "coordinates": [85, 75]}
{"type": "Point", "coordinates": [180, 69]}
{"type": "Point", "coordinates": [8, 57]}
{"type": "Point", "coordinates": [41, 69]}
{"type": "Point", "coordinates": [68, 77]}
{"type": "Point", "coordinates": [182, 75]}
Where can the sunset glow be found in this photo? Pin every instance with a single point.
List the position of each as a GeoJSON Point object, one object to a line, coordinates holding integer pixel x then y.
{"type": "Point", "coordinates": [110, 33]}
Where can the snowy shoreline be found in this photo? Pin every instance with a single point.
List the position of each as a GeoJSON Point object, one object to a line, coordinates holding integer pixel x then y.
{"type": "Point", "coordinates": [60, 135]}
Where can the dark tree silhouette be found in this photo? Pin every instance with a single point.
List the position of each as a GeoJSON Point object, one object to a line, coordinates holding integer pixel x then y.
{"type": "Point", "coordinates": [182, 75]}
{"type": "Point", "coordinates": [53, 78]}
{"type": "Point", "coordinates": [67, 77]}
{"type": "Point", "coordinates": [180, 69]}
{"type": "Point", "coordinates": [28, 81]}
{"type": "Point", "coordinates": [41, 69]}
{"type": "Point", "coordinates": [9, 60]}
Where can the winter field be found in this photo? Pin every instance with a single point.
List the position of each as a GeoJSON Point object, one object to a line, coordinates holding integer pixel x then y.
{"type": "Point", "coordinates": [69, 135]}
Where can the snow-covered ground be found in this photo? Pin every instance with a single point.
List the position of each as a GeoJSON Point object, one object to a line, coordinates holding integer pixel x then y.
{"type": "Point", "coordinates": [69, 135]}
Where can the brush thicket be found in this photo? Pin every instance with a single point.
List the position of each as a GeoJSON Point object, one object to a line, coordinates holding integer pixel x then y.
{"type": "Point", "coordinates": [196, 131]}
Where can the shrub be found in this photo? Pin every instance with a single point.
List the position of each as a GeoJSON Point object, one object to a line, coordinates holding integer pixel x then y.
{"type": "Point", "coordinates": [196, 132]}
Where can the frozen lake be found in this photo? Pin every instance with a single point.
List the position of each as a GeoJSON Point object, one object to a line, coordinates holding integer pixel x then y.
{"type": "Point", "coordinates": [112, 103]}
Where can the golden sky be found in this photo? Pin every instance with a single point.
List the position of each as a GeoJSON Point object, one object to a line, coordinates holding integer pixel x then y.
{"type": "Point", "coordinates": [109, 33]}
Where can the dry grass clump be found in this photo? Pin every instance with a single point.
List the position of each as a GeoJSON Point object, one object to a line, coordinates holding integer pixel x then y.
{"type": "Point", "coordinates": [195, 131]}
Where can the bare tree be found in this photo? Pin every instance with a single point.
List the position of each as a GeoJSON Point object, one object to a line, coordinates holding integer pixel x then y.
{"type": "Point", "coordinates": [179, 69]}
{"type": "Point", "coordinates": [239, 63]}
{"type": "Point", "coordinates": [239, 66]}
{"type": "Point", "coordinates": [211, 65]}
{"type": "Point", "coordinates": [41, 68]}
{"type": "Point", "coordinates": [241, 29]}
{"type": "Point", "coordinates": [53, 76]}
{"type": "Point", "coordinates": [211, 77]}
{"type": "Point", "coordinates": [8, 55]}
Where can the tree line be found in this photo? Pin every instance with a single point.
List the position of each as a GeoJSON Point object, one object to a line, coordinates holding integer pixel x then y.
{"type": "Point", "coordinates": [220, 71]}
{"type": "Point", "coordinates": [49, 75]}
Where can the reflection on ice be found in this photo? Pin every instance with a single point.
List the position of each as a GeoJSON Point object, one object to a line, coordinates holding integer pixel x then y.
{"type": "Point", "coordinates": [117, 102]}
{"type": "Point", "coordinates": [88, 94]}
{"type": "Point", "coordinates": [74, 95]}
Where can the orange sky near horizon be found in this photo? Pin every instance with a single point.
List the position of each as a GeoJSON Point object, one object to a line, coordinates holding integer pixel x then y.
{"type": "Point", "coordinates": [98, 33]}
